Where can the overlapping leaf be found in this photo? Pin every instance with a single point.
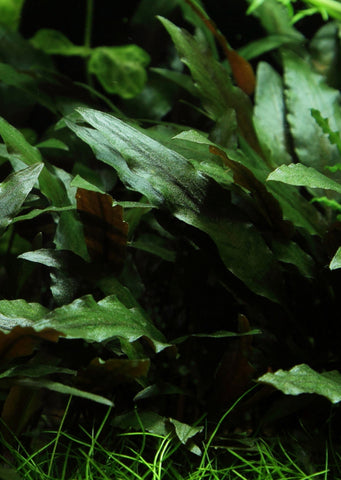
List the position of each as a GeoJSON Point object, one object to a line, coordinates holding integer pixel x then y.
{"type": "Point", "coordinates": [169, 181]}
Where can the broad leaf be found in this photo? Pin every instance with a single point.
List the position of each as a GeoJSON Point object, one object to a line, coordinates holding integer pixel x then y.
{"type": "Point", "coordinates": [98, 322]}
{"type": "Point", "coordinates": [14, 190]}
{"type": "Point", "coordinates": [303, 379]}
{"type": "Point", "coordinates": [84, 318]}
{"type": "Point", "coordinates": [307, 90]}
{"type": "Point", "coordinates": [120, 70]}
{"type": "Point", "coordinates": [169, 181]}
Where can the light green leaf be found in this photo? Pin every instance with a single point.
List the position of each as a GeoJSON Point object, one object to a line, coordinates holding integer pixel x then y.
{"type": "Point", "coordinates": [269, 115]}
{"type": "Point", "coordinates": [19, 313]}
{"type": "Point", "coordinates": [10, 11]}
{"type": "Point", "coordinates": [303, 379]}
{"type": "Point", "coordinates": [53, 143]}
{"type": "Point", "coordinates": [336, 260]}
{"type": "Point", "coordinates": [183, 431]}
{"type": "Point", "coordinates": [54, 42]}
{"type": "Point", "coordinates": [334, 137]}
{"type": "Point", "coordinates": [80, 182]}
{"type": "Point", "coordinates": [49, 184]}
{"type": "Point", "coordinates": [193, 136]}
{"type": "Point", "coordinates": [120, 70]}
{"type": "Point", "coordinates": [14, 190]}
{"type": "Point", "coordinates": [36, 212]}
{"type": "Point", "coordinates": [300, 175]}
{"type": "Point", "coordinates": [263, 45]}
{"type": "Point", "coordinates": [275, 18]}
{"type": "Point", "coordinates": [59, 259]}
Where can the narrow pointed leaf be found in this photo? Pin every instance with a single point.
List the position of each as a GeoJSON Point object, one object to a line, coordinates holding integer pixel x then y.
{"type": "Point", "coordinates": [269, 115]}
{"type": "Point", "coordinates": [64, 389]}
{"type": "Point", "coordinates": [300, 175]}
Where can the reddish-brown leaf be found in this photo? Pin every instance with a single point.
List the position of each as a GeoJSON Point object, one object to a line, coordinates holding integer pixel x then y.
{"type": "Point", "coordinates": [104, 228]}
{"type": "Point", "coordinates": [21, 341]}
{"type": "Point", "coordinates": [234, 371]}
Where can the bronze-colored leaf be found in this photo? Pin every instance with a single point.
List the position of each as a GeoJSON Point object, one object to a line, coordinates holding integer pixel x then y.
{"type": "Point", "coordinates": [234, 371]}
{"type": "Point", "coordinates": [104, 228]}
{"type": "Point", "coordinates": [21, 341]}
{"type": "Point", "coordinates": [100, 376]}
{"type": "Point", "coordinates": [20, 405]}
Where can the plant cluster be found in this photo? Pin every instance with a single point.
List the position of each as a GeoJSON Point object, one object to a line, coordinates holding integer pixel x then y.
{"type": "Point", "coordinates": [170, 234]}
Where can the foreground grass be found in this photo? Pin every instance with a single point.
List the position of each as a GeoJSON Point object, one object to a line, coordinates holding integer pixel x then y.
{"type": "Point", "coordinates": [149, 456]}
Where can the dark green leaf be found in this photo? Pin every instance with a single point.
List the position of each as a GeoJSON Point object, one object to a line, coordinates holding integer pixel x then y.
{"type": "Point", "coordinates": [307, 90]}
{"type": "Point", "coordinates": [98, 322]}
{"type": "Point", "coordinates": [169, 181]}
{"type": "Point", "coordinates": [269, 115]}
{"type": "Point", "coordinates": [64, 389]}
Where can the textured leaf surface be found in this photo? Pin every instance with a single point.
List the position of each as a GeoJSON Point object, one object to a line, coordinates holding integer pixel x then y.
{"type": "Point", "coordinates": [84, 318]}
{"type": "Point", "coordinates": [307, 90]}
{"type": "Point", "coordinates": [214, 85]}
{"type": "Point", "coordinates": [98, 322]}
{"type": "Point", "coordinates": [14, 190]}
{"type": "Point", "coordinates": [303, 379]}
{"type": "Point", "coordinates": [120, 70]}
{"type": "Point", "coordinates": [170, 181]}
{"type": "Point", "coordinates": [300, 175]}
{"type": "Point", "coordinates": [269, 114]}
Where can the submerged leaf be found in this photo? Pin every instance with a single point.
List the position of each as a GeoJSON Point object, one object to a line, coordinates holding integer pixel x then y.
{"type": "Point", "coordinates": [120, 70]}
{"type": "Point", "coordinates": [14, 190]}
{"type": "Point", "coordinates": [269, 115]}
{"type": "Point", "coordinates": [303, 379]}
{"type": "Point", "coordinates": [105, 230]}
{"type": "Point", "coordinates": [300, 175]}
{"type": "Point", "coordinates": [21, 341]}
{"type": "Point", "coordinates": [307, 90]}
{"type": "Point", "coordinates": [98, 322]}
{"type": "Point", "coordinates": [101, 376]}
